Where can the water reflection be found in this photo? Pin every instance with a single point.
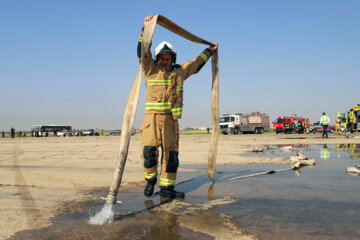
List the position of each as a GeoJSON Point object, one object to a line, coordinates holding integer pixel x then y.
{"type": "Point", "coordinates": [167, 225]}
{"type": "Point", "coordinates": [354, 149]}
{"type": "Point", "coordinates": [324, 152]}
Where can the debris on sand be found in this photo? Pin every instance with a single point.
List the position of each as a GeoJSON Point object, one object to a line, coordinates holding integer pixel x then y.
{"type": "Point", "coordinates": [355, 170]}
{"type": "Point", "coordinates": [288, 149]}
{"type": "Point", "coordinates": [301, 158]}
{"type": "Point", "coordinates": [259, 149]}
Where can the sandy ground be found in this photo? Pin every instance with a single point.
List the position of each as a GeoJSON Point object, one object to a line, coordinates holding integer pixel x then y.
{"type": "Point", "coordinates": [37, 176]}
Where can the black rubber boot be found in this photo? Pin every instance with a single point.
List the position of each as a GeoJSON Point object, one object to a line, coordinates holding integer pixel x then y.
{"type": "Point", "coordinates": [169, 192]}
{"type": "Point", "coordinates": [149, 188]}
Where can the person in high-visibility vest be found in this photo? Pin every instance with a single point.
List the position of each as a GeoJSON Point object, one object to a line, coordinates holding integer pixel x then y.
{"type": "Point", "coordinates": [338, 125]}
{"type": "Point", "coordinates": [324, 121]}
{"type": "Point", "coordinates": [163, 107]}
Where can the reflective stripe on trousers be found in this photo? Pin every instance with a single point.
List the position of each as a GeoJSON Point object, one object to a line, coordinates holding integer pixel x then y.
{"type": "Point", "coordinates": [150, 175]}
{"type": "Point", "coordinates": [166, 182]}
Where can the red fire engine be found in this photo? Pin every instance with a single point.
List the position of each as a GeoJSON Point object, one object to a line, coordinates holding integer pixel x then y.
{"type": "Point", "coordinates": [293, 121]}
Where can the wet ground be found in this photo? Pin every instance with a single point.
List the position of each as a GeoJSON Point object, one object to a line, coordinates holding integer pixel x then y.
{"type": "Point", "coordinates": [322, 202]}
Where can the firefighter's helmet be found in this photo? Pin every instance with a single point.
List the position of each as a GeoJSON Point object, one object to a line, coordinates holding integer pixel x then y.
{"type": "Point", "coordinates": [165, 48]}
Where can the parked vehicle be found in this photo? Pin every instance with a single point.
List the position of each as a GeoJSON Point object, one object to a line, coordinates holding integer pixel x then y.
{"type": "Point", "coordinates": [351, 119]}
{"type": "Point", "coordinates": [115, 133]}
{"type": "Point", "coordinates": [64, 133]}
{"type": "Point", "coordinates": [254, 122]}
{"type": "Point", "coordinates": [88, 132]}
{"type": "Point", "coordinates": [279, 127]}
{"type": "Point", "coordinates": [316, 127]}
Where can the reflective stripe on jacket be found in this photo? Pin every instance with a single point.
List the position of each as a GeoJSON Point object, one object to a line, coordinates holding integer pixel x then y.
{"type": "Point", "coordinates": [164, 89]}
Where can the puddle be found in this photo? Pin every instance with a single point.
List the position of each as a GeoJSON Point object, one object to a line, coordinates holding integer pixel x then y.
{"type": "Point", "coordinates": [322, 202]}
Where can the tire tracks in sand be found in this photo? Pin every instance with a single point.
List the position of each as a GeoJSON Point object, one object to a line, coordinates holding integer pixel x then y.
{"type": "Point", "coordinates": [28, 203]}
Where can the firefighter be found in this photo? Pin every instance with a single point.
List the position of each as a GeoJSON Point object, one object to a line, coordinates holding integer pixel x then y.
{"type": "Point", "coordinates": [307, 125]}
{"type": "Point", "coordinates": [163, 107]}
{"type": "Point", "coordinates": [287, 127]}
{"type": "Point", "coordinates": [338, 125]}
{"type": "Point", "coordinates": [292, 128]}
{"type": "Point", "coordinates": [300, 127]}
{"type": "Point", "coordinates": [324, 121]}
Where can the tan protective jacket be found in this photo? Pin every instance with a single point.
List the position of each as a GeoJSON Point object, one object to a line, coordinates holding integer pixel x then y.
{"type": "Point", "coordinates": [165, 88]}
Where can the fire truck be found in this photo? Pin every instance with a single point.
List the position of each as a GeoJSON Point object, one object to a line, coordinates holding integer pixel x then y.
{"type": "Point", "coordinates": [293, 121]}
{"type": "Point", "coordinates": [254, 122]}
{"type": "Point", "coordinates": [351, 119]}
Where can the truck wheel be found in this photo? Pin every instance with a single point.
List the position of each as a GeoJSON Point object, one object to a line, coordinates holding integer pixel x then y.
{"type": "Point", "coordinates": [332, 130]}
{"type": "Point", "coordinates": [314, 131]}
{"type": "Point", "coordinates": [236, 131]}
{"type": "Point", "coordinates": [225, 133]}
{"type": "Point", "coordinates": [256, 131]}
{"type": "Point", "coordinates": [261, 131]}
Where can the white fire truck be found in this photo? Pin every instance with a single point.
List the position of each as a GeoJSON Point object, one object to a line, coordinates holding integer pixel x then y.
{"type": "Point", "coordinates": [254, 122]}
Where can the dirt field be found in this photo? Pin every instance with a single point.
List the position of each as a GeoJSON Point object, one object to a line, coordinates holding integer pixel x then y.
{"type": "Point", "coordinates": [37, 176]}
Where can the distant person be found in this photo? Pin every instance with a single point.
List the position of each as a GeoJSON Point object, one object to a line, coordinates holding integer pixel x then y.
{"type": "Point", "coordinates": [287, 127]}
{"type": "Point", "coordinates": [338, 125]}
{"type": "Point", "coordinates": [307, 125]}
{"type": "Point", "coordinates": [3, 134]}
{"type": "Point", "coordinates": [300, 127]}
{"type": "Point", "coordinates": [324, 121]}
{"type": "Point", "coordinates": [12, 132]}
{"type": "Point", "coordinates": [20, 133]}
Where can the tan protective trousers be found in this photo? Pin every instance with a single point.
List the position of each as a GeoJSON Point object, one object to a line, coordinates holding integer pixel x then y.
{"type": "Point", "coordinates": [160, 130]}
{"type": "Point", "coordinates": [338, 129]}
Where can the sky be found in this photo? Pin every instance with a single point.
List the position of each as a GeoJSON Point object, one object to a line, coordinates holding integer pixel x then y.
{"type": "Point", "coordinates": [73, 62]}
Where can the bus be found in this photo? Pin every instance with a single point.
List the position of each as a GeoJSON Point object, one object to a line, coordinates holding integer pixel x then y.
{"type": "Point", "coordinates": [44, 130]}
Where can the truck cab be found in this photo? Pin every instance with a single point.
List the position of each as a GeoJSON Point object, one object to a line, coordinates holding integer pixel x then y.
{"type": "Point", "coordinates": [351, 119]}
{"type": "Point", "coordinates": [230, 123]}
{"type": "Point", "coordinates": [279, 125]}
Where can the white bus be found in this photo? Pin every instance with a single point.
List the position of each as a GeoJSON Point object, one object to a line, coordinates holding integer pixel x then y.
{"type": "Point", "coordinates": [44, 130]}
